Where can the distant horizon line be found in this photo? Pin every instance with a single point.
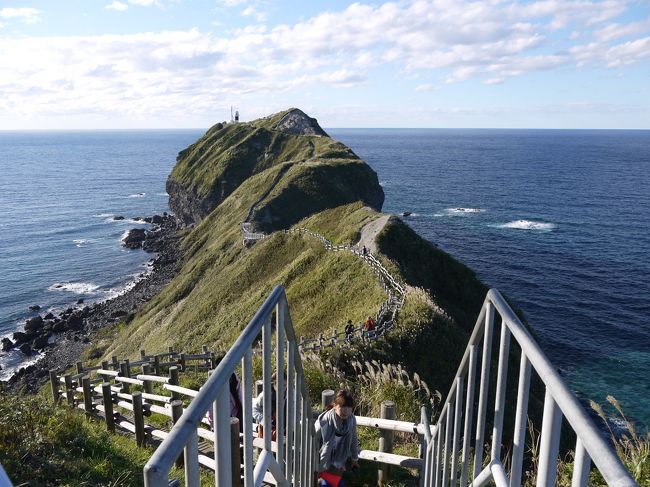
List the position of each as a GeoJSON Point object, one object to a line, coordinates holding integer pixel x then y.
{"type": "Point", "coordinates": [324, 128]}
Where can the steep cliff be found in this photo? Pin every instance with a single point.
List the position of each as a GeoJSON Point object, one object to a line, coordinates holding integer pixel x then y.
{"type": "Point", "coordinates": [324, 172]}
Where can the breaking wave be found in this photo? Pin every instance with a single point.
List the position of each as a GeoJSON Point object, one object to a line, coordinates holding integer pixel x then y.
{"type": "Point", "coordinates": [75, 287]}
{"type": "Point", "coordinates": [529, 225]}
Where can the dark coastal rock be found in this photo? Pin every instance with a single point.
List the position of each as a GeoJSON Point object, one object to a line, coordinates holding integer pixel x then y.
{"type": "Point", "coordinates": [48, 316]}
{"type": "Point", "coordinates": [406, 213]}
{"type": "Point", "coordinates": [80, 301]}
{"type": "Point", "coordinates": [26, 348]}
{"type": "Point", "coordinates": [157, 220]}
{"type": "Point", "coordinates": [134, 238]}
{"type": "Point", "coordinates": [7, 344]}
{"type": "Point", "coordinates": [118, 314]}
{"type": "Point", "coordinates": [59, 327]}
{"type": "Point", "coordinates": [34, 307]}
{"type": "Point", "coordinates": [40, 342]}
{"type": "Point", "coordinates": [118, 218]}
{"type": "Point", "coordinates": [75, 321]}
{"type": "Point", "coordinates": [20, 337]}
{"type": "Point", "coordinates": [33, 324]}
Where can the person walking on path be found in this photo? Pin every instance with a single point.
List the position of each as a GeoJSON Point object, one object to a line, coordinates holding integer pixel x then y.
{"type": "Point", "coordinates": [349, 331]}
{"type": "Point", "coordinates": [370, 324]}
{"type": "Point", "coordinates": [337, 429]}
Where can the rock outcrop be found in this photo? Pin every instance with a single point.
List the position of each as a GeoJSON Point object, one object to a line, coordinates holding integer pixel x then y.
{"type": "Point", "coordinates": [211, 169]}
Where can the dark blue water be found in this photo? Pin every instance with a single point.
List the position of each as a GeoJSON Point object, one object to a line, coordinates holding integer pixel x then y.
{"type": "Point", "coordinates": [558, 220]}
{"type": "Point", "coordinates": [58, 193]}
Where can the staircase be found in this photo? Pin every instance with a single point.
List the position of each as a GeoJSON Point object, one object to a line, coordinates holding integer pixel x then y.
{"type": "Point", "coordinates": [452, 449]}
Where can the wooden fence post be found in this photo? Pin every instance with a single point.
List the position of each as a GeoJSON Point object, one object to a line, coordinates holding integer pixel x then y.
{"type": "Point", "coordinates": [115, 363]}
{"type": "Point", "coordinates": [143, 355]}
{"type": "Point", "coordinates": [156, 365]}
{"type": "Point", "coordinates": [128, 367]}
{"type": "Point", "coordinates": [385, 441]}
{"type": "Point", "coordinates": [181, 362]}
{"type": "Point", "coordinates": [138, 418]}
{"type": "Point", "coordinates": [327, 396]}
{"type": "Point", "coordinates": [80, 369]}
{"type": "Point", "coordinates": [147, 386]}
{"type": "Point", "coordinates": [173, 380]}
{"type": "Point", "coordinates": [177, 412]}
{"type": "Point", "coordinates": [69, 391]}
{"type": "Point", "coordinates": [105, 365]}
{"type": "Point", "coordinates": [54, 381]}
{"type": "Point", "coordinates": [235, 452]}
{"type": "Point", "coordinates": [108, 406]}
{"type": "Point", "coordinates": [88, 395]}
{"type": "Point", "coordinates": [124, 372]}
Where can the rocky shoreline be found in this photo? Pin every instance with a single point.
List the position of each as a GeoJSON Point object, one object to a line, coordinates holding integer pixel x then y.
{"type": "Point", "coordinates": [73, 328]}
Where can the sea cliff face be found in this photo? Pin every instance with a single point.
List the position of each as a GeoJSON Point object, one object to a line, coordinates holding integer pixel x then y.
{"type": "Point", "coordinates": [319, 171]}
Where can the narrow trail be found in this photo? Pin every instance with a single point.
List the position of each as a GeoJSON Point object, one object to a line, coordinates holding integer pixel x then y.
{"type": "Point", "coordinates": [395, 291]}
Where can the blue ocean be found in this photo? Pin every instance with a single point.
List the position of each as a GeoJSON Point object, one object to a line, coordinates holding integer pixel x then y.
{"type": "Point", "coordinates": [557, 220]}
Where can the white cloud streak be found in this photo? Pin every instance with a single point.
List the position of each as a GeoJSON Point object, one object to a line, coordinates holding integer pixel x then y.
{"type": "Point", "coordinates": [25, 14]}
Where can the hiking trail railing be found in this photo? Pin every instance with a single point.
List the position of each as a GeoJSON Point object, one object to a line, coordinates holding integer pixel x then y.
{"type": "Point", "coordinates": [385, 316]}
{"type": "Point", "coordinates": [461, 427]}
{"type": "Point", "coordinates": [290, 460]}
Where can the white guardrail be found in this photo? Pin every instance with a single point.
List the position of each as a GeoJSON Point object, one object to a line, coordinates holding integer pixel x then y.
{"type": "Point", "coordinates": [290, 459]}
{"type": "Point", "coordinates": [447, 459]}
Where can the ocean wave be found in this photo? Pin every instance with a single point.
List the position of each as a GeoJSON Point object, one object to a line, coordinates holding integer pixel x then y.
{"type": "Point", "coordinates": [75, 287]}
{"type": "Point", "coordinates": [162, 194]}
{"type": "Point", "coordinates": [461, 210]}
{"type": "Point", "coordinates": [104, 215]}
{"type": "Point", "coordinates": [80, 242]}
{"type": "Point", "coordinates": [137, 195]}
{"type": "Point", "coordinates": [383, 183]}
{"type": "Point", "coordinates": [529, 225]}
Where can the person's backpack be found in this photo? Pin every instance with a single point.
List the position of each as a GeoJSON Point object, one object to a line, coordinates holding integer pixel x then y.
{"type": "Point", "coordinates": [328, 479]}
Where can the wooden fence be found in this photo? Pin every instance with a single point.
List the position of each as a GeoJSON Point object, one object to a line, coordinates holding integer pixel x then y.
{"type": "Point", "coordinates": [128, 395]}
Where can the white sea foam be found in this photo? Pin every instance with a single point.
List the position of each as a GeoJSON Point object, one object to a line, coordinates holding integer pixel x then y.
{"type": "Point", "coordinates": [80, 242]}
{"type": "Point", "coordinates": [529, 225]}
{"type": "Point", "coordinates": [134, 222]}
{"type": "Point", "coordinates": [162, 194]}
{"type": "Point", "coordinates": [383, 183]}
{"type": "Point", "coordinates": [461, 210]}
{"type": "Point", "coordinates": [75, 287]}
{"type": "Point", "coordinates": [105, 215]}
{"type": "Point", "coordinates": [137, 195]}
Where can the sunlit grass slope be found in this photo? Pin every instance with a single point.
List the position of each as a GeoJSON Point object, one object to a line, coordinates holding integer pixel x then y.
{"type": "Point", "coordinates": [222, 283]}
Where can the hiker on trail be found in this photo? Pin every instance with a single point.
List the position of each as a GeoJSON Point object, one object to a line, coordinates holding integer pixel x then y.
{"type": "Point", "coordinates": [370, 324]}
{"type": "Point", "coordinates": [349, 331]}
{"type": "Point", "coordinates": [258, 408]}
{"type": "Point", "coordinates": [337, 429]}
{"type": "Point", "coordinates": [235, 400]}
{"type": "Point", "coordinates": [364, 251]}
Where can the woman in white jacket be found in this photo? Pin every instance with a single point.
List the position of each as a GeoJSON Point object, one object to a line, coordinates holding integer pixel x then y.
{"type": "Point", "coordinates": [337, 428]}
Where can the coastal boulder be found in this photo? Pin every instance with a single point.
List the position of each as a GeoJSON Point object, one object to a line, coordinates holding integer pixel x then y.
{"type": "Point", "coordinates": [48, 316]}
{"type": "Point", "coordinates": [40, 342]}
{"type": "Point", "coordinates": [7, 344]}
{"type": "Point", "coordinates": [34, 307]}
{"type": "Point", "coordinates": [75, 322]}
{"type": "Point", "coordinates": [33, 324]}
{"type": "Point", "coordinates": [59, 327]}
{"type": "Point", "coordinates": [134, 238]}
{"type": "Point", "coordinates": [26, 348]}
{"type": "Point", "coordinates": [20, 337]}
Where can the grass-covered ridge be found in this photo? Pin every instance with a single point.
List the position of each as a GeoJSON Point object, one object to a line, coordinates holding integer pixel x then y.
{"type": "Point", "coordinates": [212, 168]}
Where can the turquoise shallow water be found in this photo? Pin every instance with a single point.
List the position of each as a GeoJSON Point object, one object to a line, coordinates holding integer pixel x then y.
{"type": "Point", "coordinates": [558, 220]}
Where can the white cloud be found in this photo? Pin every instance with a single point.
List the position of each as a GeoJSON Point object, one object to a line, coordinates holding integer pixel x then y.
{"type": "Point", "coordinates": [117, 5]}
{"type": "Point", "coordinates": [25, 14]}
{"type": "Point", "coordinates": [251, 11]}
{"type": "Point", "coordinates": [231, 3]}
{"type": "Point", "coordinates": [448, 40]}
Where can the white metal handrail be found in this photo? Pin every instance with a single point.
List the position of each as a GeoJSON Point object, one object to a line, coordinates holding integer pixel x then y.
{"type": "Point", "coordinates": [289, 459]}
{"type": "Point", "coordinates": [447, 457]}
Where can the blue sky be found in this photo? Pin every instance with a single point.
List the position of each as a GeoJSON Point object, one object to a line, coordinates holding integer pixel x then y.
{"type": "Point", "coordinates": [423, 63]}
